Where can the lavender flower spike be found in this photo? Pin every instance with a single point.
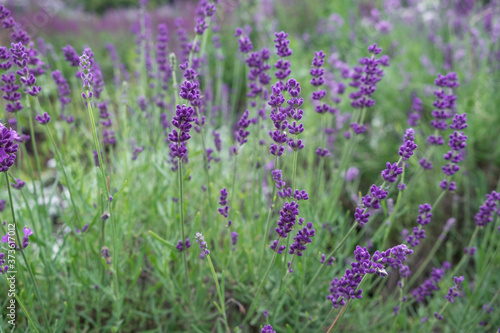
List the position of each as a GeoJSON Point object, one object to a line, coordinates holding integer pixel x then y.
{"type": "Point", "coordinates": [8, 148]}
{"type": "Point", "coordinates": [203, 245]}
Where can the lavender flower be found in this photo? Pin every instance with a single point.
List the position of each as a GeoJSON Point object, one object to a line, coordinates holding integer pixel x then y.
{"type": "Point", "coordinates": [71, 56]}
{"type": "Point", "coordinates": [234, 238]}
{"type": "Point", "coordinates": [43, 120]}
{"type": "Point", "coordinates": [63, 87]}
{"type": "Point", "coordinates": [288, 215]}
{"type": "Point", "coordinates": [20, 58]}
{"type": "Point", "coordinates": [282, 50]}
{"type": "Point", "coordinates": [182, 121]}
{"type": "Point", "coordinates": [406, 150]}
{"type": "Point", "coordinates": [183, 246]}
{"type": "Point", "coordinates": [8, 148]}
{"type": "Point", "coordinates": [488, 209]}
{"type": "Point", "coordinates": [457, 143]}
{"type": "Point", "coordinates": [3, 268]}
{"type": "Point", "coordinates": [224, 211]}
{"type": "Point", "coordinates": [445, 105]}
{"type": "Point", "coordinates": [423, 219]}
{"type": "Point", "coordinates": [241, 133]}
{"type": "Point", "coordinates": [416, 111]}
{"type": "Point", "coordinates": [18, 184]}
{"type": "Point", "coordinates": [430, 284]}
{"type": "Point", "coordinates": [303, 237]}
{"type": "Point", "coordinates": [27, 232]}
{"type": "Point", "coordinates": [346, 287]}
{"type": "Point", "coordinates": [454, 291]}
{"type": "Point", "coordinates": [267, 329]}
{"type": "Point", "coordinates": [365, 79]}
{"type": "Point", "coordinates": [11, 94]}
{"type": "Point", "coordinates": [86, 76]}
{"type": "Point", "coordinates": [203, 245]}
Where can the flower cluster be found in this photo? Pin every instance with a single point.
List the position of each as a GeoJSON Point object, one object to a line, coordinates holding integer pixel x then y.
{"type": "Point", "coordinates": [108, 136]}
{"type": "Point", "coordinates": [64, 93]}
{"type": "Point", "coordinates": [8, 148]}
{"type": "Point", "coordinates": [71, 56]}
{"type": "Point", "coordinates": [457, 143]}
{"type": "Point", "coordinates": [365, 79]}
{"type": "Point", "coordinates": [488, 209]}
{"type": "Point", "coordinates": [445, 105]}
{"type": "Point", "coordinates": [424, 217]}
{"type": "Point", "coordinates": [234, 238]}
{"type": "Point", "coordinates": [267, 329]}
{"type": "Point", "coordinates": [86, 76]}
{"type": "Point", "coordinates": [183, 246]}
{"type": "Point", "coordinates": [205, 9]}
{"type": "Point", "coordinates": [406, 150]}
{"type": "Point", "coordinates": [430, 284]}
{"type": "Point", "coordinates": [3, 269]}
{"type": "Point", "coordinates": [454, 291]}
{"type": "Point", "coordinates": [224, 211]}
{"type": "Point", "coordinates": [330, 261]}
{"type": "Point", "coordinates": [257, 76]}
{"type": "Point", "coordinates": [241, 132]}
{"type": "Point", "coordinates": [302, 239]}
{"type": "Point", "coordinates": [346, 287]}
{"type": "Point", "coordinates": [244, 41]}
{"type": "Point", "coordinates": [18, 184]}
{"type": "Point", "coordinates": [282, 50]}
{"type": "Point", "coordinates": [370, 203]}
{"type": "Point", "coordinates": [182, 121]}
{"type": "Point", "coordinates": [294, 111]}
{"type": "Point", "coordinates": [164, 69]}
{"type": "Point", "coordinates": [203, 245]}
{"type": "Point", "coordinates": [21, 59]}
{"type": "Point", "coordinates": [43, 119]}
{"type": "Point", "coordinates": [278, 116]}
{"type": "Point", "coordinates": [416, 111]}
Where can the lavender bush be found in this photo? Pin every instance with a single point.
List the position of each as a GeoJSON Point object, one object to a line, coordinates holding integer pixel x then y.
{"type": "Point", "coordinates": [224, 167]}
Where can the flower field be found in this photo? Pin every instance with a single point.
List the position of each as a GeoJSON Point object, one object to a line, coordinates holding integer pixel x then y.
{"type": "Point", "coordinates": [260, 166]}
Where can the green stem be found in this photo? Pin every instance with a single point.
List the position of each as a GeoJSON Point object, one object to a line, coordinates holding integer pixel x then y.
{"type": "Point", "coordinates": [181, 209]}
{"type": "Point", "coordinates": [20, 244]}
{"type": "Point", "coordinates": [219, 293]}
{"type": "Point", "coordinates": [35, 149]}
{"type": "Point", "coordinates": [251, 309]}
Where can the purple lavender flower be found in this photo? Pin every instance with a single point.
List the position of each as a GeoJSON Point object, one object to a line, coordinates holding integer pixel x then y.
{"type": "Point", "coordinates": [457, 143]}
{"type": "Point", "coordinates": [346, 287]}
{"type": "Point", "coordinates": [183, 246]}
{"type": "Point", "coordinates": [18, 184]}
{"type": "Point", "coordinates": [454, 291]}
{"type": "Point", "coordinates": [267, 329]}
{"type": "Point", "coordinates": [488, 209]}
{"type": "Point", "coordinates": [27, 232]}
{"type": "Point", "coordinates": [203, 245]}
{"type": "Point", "coordinates": [43, 120]}
{"type": "Point", "coordinates": [445, 105]}
{"type": "Point", "coordinates": [471, 251]}
{"type": "Point", "coordinates": [391, 172]}
{"type": "Point", "coordinates": [8, 147]}
{"type": "Point", "coordinates": [71, 56]}
{"type": "Point", "coordinates": [406, 150]}
{"type": "Point", "coordinates": [234, 238]}
{"type": "Point", "coordinates": [86, 76]}
{"type": "Point", "coordinates": [423, 219]}
{"type": "Point", "coordinates": [182, 121]}
{"type": "Point", "coordinates": [274, 247]}
{"type": "Point", "coordinates": [303, 237]}
{"type": "Point", "coordinates": [224, 211]}
{"type": "Point", "coordinates": [416, 111]}
{"type": "Point", "coordinates": [282, 50]}
{"type": "Point", "coordinates": [12, 96]}
{"type": "Point", "coordinates": [431, 284]}
{"type": "Point", "coordinates": [365, 79]}
{"type": "Point", "coordinates": [288, 216]}
{"type": "Point", "coordinates": [241, 132]}
{"type": "Point", "coordinates": [20, 58]}
{"type": "Point", "coordinates": [2, 205]}
{"type": "Point", "coordinates": [63, 87]}
{"type": "Point", "coordinates": [3, 268]}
